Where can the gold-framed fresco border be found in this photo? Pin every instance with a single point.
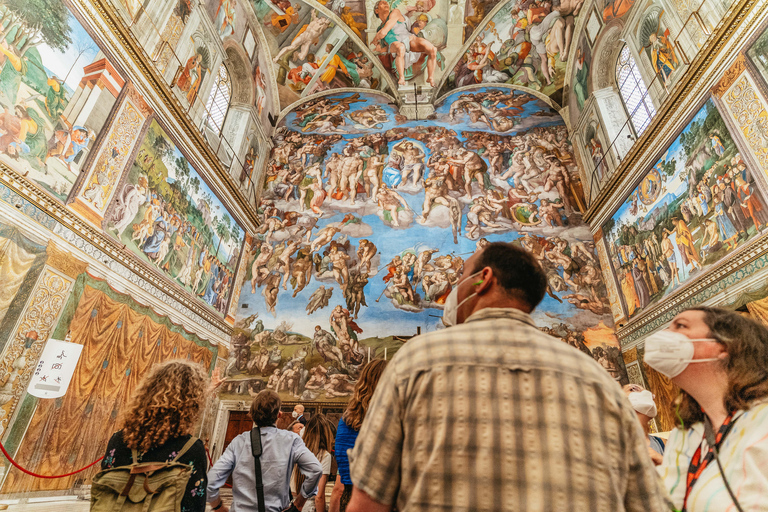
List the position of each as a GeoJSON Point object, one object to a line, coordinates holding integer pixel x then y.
{"type": "Point", "coordinates": [123, 181]}
{"type": "Point", "coordinates": [53, 208]}
{"type": "Point", "coordinates": [742, 17]}
{"type": "Point", "coordinates": [632, 185]}
{"type": "Point", "coordinates": [734, 266]}
{"type": "Point", "coordinates": [757, 76]}
{"type": "Point", "coordinates": [140, 61]}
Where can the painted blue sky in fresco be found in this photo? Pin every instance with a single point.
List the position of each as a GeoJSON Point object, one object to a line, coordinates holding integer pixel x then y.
{"type": "Point", "coordinates": [383, 318]}
{"type": "Point", "coordinates": [534, 113]}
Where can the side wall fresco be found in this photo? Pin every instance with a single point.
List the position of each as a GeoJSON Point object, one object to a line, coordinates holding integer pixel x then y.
{"type": "Point", "coordinates": [56, 91]}
{"type": "Point", "coordinates": [50, 289]}
{"type": "Point", "coordinates": [703, 200]}
{"type": "Point", "coordinates": [78, 128]}
{"type": "Point", "coordinates": [698, 203]}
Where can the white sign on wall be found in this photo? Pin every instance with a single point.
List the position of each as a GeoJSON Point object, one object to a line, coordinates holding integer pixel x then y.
{"type": "Point", "coordinates": [55, 369]}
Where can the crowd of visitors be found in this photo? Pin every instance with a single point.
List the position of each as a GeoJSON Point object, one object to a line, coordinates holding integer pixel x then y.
{"type": "Point", "coordinates": [490, 414]}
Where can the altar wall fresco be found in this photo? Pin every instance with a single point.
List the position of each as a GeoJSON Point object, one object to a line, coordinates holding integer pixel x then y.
{"type": "Point", "coordinates": [367, 219]}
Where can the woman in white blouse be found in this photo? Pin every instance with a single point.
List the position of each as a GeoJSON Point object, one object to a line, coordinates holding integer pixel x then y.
{"type": "Point", "coordinates": [719, 359]}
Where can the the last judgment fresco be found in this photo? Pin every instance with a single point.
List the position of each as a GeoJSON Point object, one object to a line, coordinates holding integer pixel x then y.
{"type": "Point", "coordinates": [367, 219]}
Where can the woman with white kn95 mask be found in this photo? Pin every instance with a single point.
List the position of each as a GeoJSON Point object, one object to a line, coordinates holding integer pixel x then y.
{"type": "Point", "coordinates": [716, 459]}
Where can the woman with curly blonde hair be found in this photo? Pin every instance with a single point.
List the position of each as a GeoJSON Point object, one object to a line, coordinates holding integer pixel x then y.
{"type": "Point", "coordinates": [159, 420]}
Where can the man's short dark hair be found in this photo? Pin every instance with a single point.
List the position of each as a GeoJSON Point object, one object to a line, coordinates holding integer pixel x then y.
{"type": "Point", "coordinates": [265, 408]}
{"type": "Point", "coordinates": [516, 270]}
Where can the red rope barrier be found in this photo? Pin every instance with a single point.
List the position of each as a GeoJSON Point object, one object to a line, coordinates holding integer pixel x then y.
{"type": "Point", "coordinates": [8, 456]}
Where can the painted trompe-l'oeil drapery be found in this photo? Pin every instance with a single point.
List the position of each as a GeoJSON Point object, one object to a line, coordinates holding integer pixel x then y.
{"type": "Point", "coordinates": [120, 346]}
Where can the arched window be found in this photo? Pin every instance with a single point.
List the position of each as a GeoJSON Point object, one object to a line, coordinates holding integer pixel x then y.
{"type": "Point", "coordinates": [634, 92]}
{"type": "Point", "coordinates": [218, 102]}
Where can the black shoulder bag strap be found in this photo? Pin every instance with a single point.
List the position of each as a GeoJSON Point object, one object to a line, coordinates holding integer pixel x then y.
{"type": "Point", "coordinates": [256, 450]}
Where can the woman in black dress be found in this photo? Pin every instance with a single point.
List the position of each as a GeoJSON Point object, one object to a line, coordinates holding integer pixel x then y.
{"type": "Point", "coordinates": [158, 422]}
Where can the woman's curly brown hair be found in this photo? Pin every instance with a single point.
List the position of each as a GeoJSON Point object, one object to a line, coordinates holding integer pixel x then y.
{"type": "Point", "coordinates": [357, 406]}
{"type": "Point", "coordinates": [166, 404]}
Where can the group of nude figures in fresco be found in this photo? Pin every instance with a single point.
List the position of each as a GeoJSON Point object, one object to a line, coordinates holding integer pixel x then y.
{"type": "Point", "coordinates": [477, 183]}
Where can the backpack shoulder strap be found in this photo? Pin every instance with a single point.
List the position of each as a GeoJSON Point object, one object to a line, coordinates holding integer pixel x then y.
{"type": "Point", "coordinates": [185, 448]}
{"type": "Point", "coordinates": [256, 450]}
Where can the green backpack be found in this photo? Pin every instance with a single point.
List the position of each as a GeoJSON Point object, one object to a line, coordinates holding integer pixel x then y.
{"type": "Point", "coordinates": [155, 486]}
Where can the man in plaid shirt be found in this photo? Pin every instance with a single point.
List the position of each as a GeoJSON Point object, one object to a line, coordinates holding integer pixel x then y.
{"type": "Point", "coordinates": [494, 415]}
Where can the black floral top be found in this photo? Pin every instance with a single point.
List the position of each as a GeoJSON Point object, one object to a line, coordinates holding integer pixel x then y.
{"type": "Point", "coordinates": [118, 454]}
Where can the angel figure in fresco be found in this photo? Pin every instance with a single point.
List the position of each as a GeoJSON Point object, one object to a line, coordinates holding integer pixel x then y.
{"type": "Point", "coordinates": [261, 89]}
{"type": "Point", "coordinates": [348, 17]}
{"type": "Point", "coordinates": [282, 21]}
{"type": "Point", "coordinates": [335, 64]}
{"type": "Point", "coordinates": [225, 18]}
{"type": "Point", "coordinates": [405, 47]}
{"type": "Point", "coordinates": [319, 299]}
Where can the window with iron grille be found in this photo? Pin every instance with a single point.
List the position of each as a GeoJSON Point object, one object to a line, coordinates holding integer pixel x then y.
{"type": "Point", "coordinates": [218, 101]}
{"type": "Point", "coordinates": [634, 93]}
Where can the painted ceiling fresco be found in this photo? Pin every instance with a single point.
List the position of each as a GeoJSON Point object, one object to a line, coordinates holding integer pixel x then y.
{"type": "Point", "coordinates": [367, 219]}
{"type": "Point", "coordinates": [393, 45]}
{"type": "Point", "coordinates": [525, 43]}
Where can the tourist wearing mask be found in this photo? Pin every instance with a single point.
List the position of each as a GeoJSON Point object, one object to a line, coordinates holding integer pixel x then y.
{"type": "Point", "coordinates": [298, 414]}
{"type": "Point", "coordinates": [349, 428]}
{"type": "Point", "coordinates": [645, 409]}
{"type": "Point", "coordinates": [281, 451]}
{"type": "Point", "coordinates": [717, 457]}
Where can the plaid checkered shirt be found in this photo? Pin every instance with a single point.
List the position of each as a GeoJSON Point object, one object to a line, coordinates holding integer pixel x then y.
{"type": "Point", "coordinates": [495, 415]}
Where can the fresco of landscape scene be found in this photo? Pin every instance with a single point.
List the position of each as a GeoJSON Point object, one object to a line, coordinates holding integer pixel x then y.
{"type": "Point", "coordinates": [51, 113]}
{"type": "Point", "coordinates": [695, 206]}
{"type": "Point", "coordinates": [367, 219]}
{"type": "Point", "coordinates": [166, 213]}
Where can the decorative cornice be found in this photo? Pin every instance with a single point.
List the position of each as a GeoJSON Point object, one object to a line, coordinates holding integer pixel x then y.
{"type": "Point", "coordinates": [56, 217]}
{"type": "Point", "coordinates": [137, 59]}
{"type": "Point", "coordinates": [689, 90]}
{"type": "Point", "coordinates": [730, 76]}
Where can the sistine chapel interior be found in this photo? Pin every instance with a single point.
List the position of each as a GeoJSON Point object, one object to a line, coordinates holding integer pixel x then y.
{"type": "Point", "coordinates": [285, 190]}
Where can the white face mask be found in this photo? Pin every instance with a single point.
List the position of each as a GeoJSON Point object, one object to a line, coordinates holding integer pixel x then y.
{"type": "Point", "coordinates": [295, 414]}
{"type": "Point", "coordinates": [452, 305]}
{"type": "Point", "coordinates": [669, 352]}
{"type": "Point", "coordinates": [642, 402]}
{"type": "Point", "coordinates": [301, 433]}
